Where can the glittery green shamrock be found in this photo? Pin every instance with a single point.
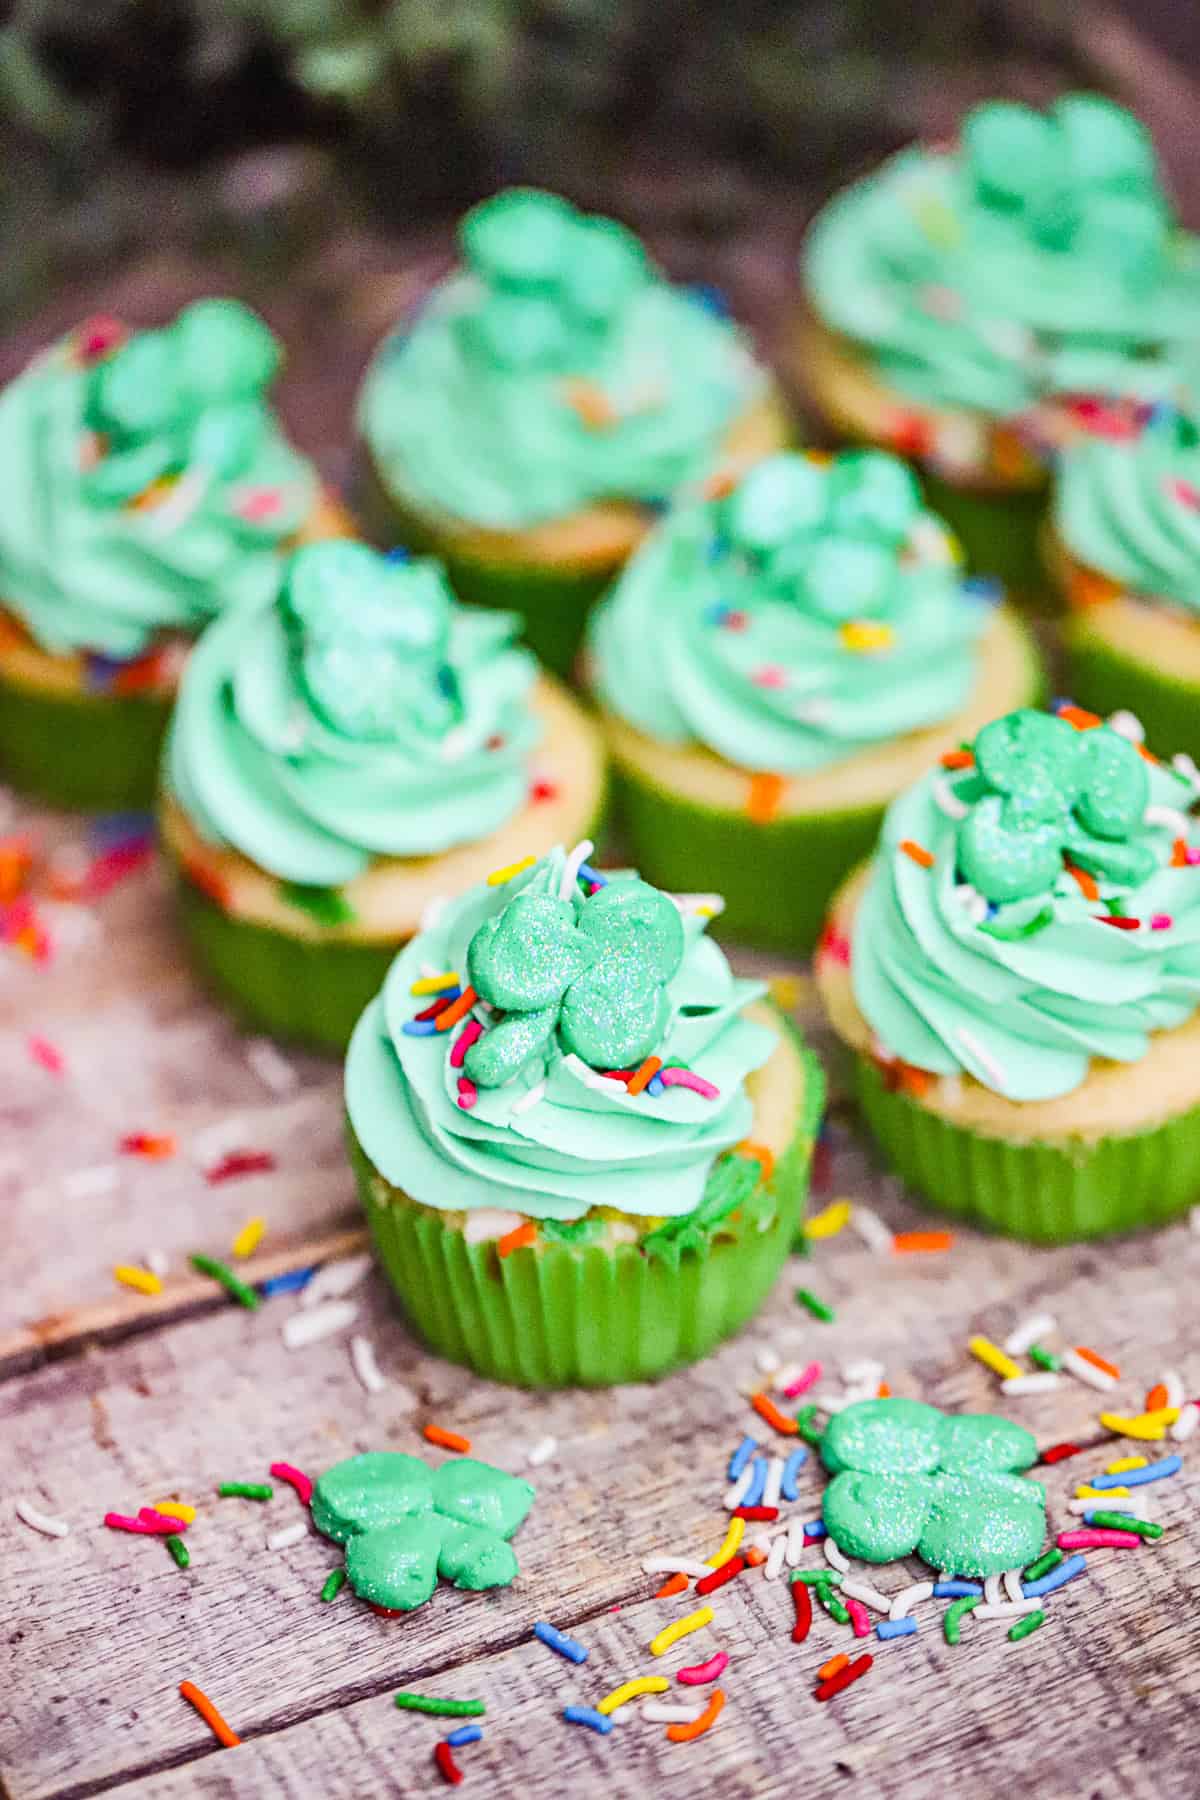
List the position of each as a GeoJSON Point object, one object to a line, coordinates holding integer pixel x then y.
{"type": "Point", "coordinates": [826, 534]}
{"type": "Point", "coordinates": [594, 972]}
{"type": "Point", "coordinates": [553, 280]}
{"type": "Point", "coordinates": [404, 1525]}
{"type": "Point", "coordinates": [908, 1477]}
{"type": "Point", "coordinates": [1043, 791]}
{"type": "Point", "coordinates": [372, 639]}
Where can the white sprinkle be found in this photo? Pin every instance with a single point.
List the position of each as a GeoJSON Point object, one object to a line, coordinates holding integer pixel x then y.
{"type": "Point", "coordinates": [217, 1140]}
{"type": "Point", "coordinates": [488, 1222]}
{"type": "Point", "coordinates": [82, 1184]}
{"type": "Point", "coordinates": [868, 1371]}
{"type": "Point", "coordinates": [1185, 767]}
{"type": "Point", "coordinates": [986, 1061]}
{"type": "Point", "coordinates": [1176, 823]}
{"type": "Point", "coordinates": [157, 1261]}
{"type": "Point", "coordinates": [1005, 1609]}
{"type": "Point", "coordinates": [871, 1229]}
{"type": "Point", "coordinates": [766, 1359]}
{"type": "Point", "coordinates": [991, 1590]}
{"type": "Point", "coordinates": [335, 1279]}
{"type": "Point", "coordinates": [457, 741]}
{"type": "Point", "coordinates": [161, 520]}
{"type": "Point", "coordinates": [289, 1535]}
{"type": "Point", "coordinates": [37, 1520]}
{"type": "Point", "coordinates": [271, 1066]}
{"type": "Point", "coordinates": [362, 1356]}
{"type": "Point", "coordinates": [589, 1077]}
{"type": "Point", "coordinates": [431, 913]}
{"type": "Point", "coordinates": [795, 1543]}
{"type": "Point", "coordinates": [1127, 725]}
{"type": "Point", "coordinates": [786, 1375]}
{"type": "Point", "coordinates": [655, 1712]}
{"type": "Point", "coordinates": [834, 1557]}
{"type": "Point", "coordinates": [972, 902]}
{"type": "Point", "coordinates": [1173, 1382]}
{"type": "Point", "coordinates": [1029, 1331]}
{"type": "Point", "coordinates": [1194, 1220]}
{"type": "Point", "coordinates": [909, 1597]}
{"type": "Point", "coordinates": [708, 905]}
{"type": "Point", "coordinates": [773, 1567]}
{"type": "Point", "coordinates": [774, 1482]}
{"type": "Point", "coordinates": [948, 800]}
{"type": "Point", "coordinates": [1031, 1384]}
{"type": "Point", "coordinates": [1087, 1372]}
{"type": "Point", "coordinates": [735, 1494]}
{"type": "Point", "coordinates": [1012, 1585]}
{"type": "Point", "coordinates": [580, 854]}
{"type": "Point", "coordinates": [541, 1452]}
{"type": "Point", "coordinates": [676, 1565]}
{"type": "Point", "coordinates": [309, 1327]}
{"type": "Point", "coordinates": [1186, 1423]}
{"type": "Point", "coordinates": [529, 1100]}
{"type": "Point", "coordinates": [762, 1540]}
{"type": "Point", "coordinates": [870, 1596]}
{"type": "Point", "coordinates": [1139, 1508]}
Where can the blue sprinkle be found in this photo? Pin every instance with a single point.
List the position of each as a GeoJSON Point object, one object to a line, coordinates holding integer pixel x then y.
{"type": "Point", "coordinates": [558, 1640]}
{"type": "Point", "coordinates": [984, 587]}
{"type": "Point", "coordinates": [1155, 1471]}
{"type": "Point", "coordinates": [466, 1734]}
{"type": "Point", "coordinates": [711, 298]}
{"type": "Point", "coordinates": [954, 1590]}
{"type": "Point", "coordinates": [592, 876]}
{"type": "Point", "coordinates": [754, 1493]}
{"type": "Point", "coordinates": [792, 1468]}
{"type": "Point", "coordinates": [112, 830]}
{"type": "Point", "coordinates": [657, 503]}
{"type": "Point", "coordinates": [716, 614]}
{"type": "Point", "coordinates": [656, 1086]}
{"type": "Point", "coordinates": [398, 554]}
{"type": "Point", "coordinates": [741, 1457]}
{"type": "Point", "coordinates": [715, 549]}
{"type": "Point", "coordinates": [288, 1283]}
{"type": "Point", "coordinates": [1066, 1571]}
{"type": "Point", "coordinates": [815, 1530]}
{"type": "Point", "coordinates": [101, 671]}
{"type": "Point", "coordinates": [890, 1628]}
{"type": "Point", "coordinates": [419, 1027]}
{"type": "Point", "coordinates": [992, 909]}
{"type": "Point", "coordinates": [587, 1715]}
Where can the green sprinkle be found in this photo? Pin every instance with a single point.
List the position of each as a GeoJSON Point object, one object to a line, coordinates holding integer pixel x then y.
{"type": "Point", "coordinates": [179, 1551]}
{"type": "Point", "coordinates": [327, 905]}
{"type": "Point", "coordinates": [245, 1490]}
{"type": "Point", "coordinates": [1043, 1565]}
{"type": "Point", "coordinates": [819, 1577]}
{"type": "Point", "coordinates": [810, 1432]}
{"type": "Point", "coordinates": [1045, 1359]}
{"type": "Point", "coordinates": [334, 1584]}
{"type": "Point", "coordinates": [1119, 1521]}
{"type": "Point", "coordinates": [1024, 1627]}
{"type": "Point", "coordinates": [1011, 934]}
{"type": "Point", "coordinates": [957, 1611]}
{"type": "Point", "coordinates": [816, 1307]}
{"type": "Point", "coordinates": [836, 1608]}
{"type": "Point", "coordinates": [233, 1285]}
{"type": "Point", "coordinates": [571, 1231]}
{"type": "Point", "coordinates": [447, 1709]}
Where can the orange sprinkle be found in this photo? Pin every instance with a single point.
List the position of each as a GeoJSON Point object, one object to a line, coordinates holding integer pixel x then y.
{"type": "Point", "coordinates": [674, 1584]}
{"type": "Point", "coordinates": [683, 1734]}
{"type": "Point", "coordinates": [766, 1409]}
{"type": "Point", "coordinates": [591, 404]}
{"type": "Point", "coordinates": [762, 802]}
{"type": "Point", "coordinates": [1156, 1398]}
{"type": "Point", "coordinates": [206, 878]}
{"type": "Point", "coordinates": [908, 1241]}
{"type": "Point", "coordinates": [834, 1666]}
{"type": "Point", "coordinates": [753, 1556]}
{"type": "Point", "coordinates": [447, 1440]}
{"type": "Point", "coordinates": [918, 852]}
{"type": "Point", "coordinates": [720, 485]}
{"type": "Point", "coordinates": [884, 1391]}
{"type": "Point", "coordinates": [958, 759]}
{"type": "Point", "coordinates": [1080, 718]}
{"type": "Point", "coordinates": [208, 1712]}
{"type": "Point", "coordinates": [1087, 884]}
{"type": "Point", "coordinates": [1146, 755]}
{"type": "Point", "coordinates": [1097, 1361]}
{"type": "Point", "coordinates": [763, 1156]}
{"type": "Point", "coordinates": [644, 1075]}
{"type": "Point", "coordinates": [911, 1080]}
{"type": "Point", "coordinates": [457, 1009]}
{"type": "Point", "coordinates": [1087, 587]}
{"type": "Point", "coordinates": [519, 1238]}
{"type": "Point", "coordinates": [1179, 856]}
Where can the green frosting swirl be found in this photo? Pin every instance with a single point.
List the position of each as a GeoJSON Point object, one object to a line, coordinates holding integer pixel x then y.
{"type": "Point", "coordinates": [1130, 508]}
{"type": "Point", "coordinates": [993, 960]}
{"type": "Point", "coordinates": [1039, 257]}
{"type": "Point", "coordinates": [361, 714]}
{"type": "Point", "coordinates": [101, 425]}
{"type": "Point", "coordinates": [585, 1142]}
{"type": "Point", "coordinates": [557, 369]}
{"type": "Point", "coordinates": [814, 612]}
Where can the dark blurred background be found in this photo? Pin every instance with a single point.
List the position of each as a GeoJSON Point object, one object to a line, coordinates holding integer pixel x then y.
{"type": "Point", "coordinates": [311, 154]}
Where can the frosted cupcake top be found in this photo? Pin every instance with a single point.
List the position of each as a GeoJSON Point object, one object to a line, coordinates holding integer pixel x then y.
{"type": "Point", "coordinates": [1037, 257]}
{"type": "Point", "coordinates": [363, 713]}
{"type": "Point", "coordinates": [147, 483]}
{"type": "Point", "coordinates": [555, 370]}
{"type": "Point", "coordinates": [1129, 508]}
{"type": "Point", "coordinates": [814, 611]}
{"type": "Point", "coordinates": [505, 1062]}
{"type": "Point", "coordinates": [1035, 903]}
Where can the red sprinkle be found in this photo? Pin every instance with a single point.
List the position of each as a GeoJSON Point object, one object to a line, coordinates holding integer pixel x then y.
{"type": "Point", "coordinates": [709, 1584]}
{"type": "Point", "coordinates": [802, 1601]}
{"type": "Point", "coordinates": [765, 1513]}
{"type": "Point", "coordinates": [438, 1006]}
{"type": "Point", "coordinates": [295, 1478]}
{"type": "Point", "coordinates": [700, 1673]}
{"type": "Point", "coordinates": [1060, 1453]}
{"type": "Point", "coordinates": [1118, 922]}
{"type": "Point", "coordinates": [853, 1672]}
{"type": "Point", "coordinates": [443, 1756]}
{"type": "Point", "coordinates": [543, 790]}
{"type": "Point", "coordinates": [240, 1162]}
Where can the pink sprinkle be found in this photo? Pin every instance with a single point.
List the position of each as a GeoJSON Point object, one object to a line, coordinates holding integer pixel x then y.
{"type": "Point", "coordinates": [258, 503]}
{"type": "Point", "coordinates": [1184, 492]}
{"type": "Point", "coordinates": [99, 335]}
{"type": "Point", "coordinates": [676, 1077]}
{"type": "Point", "coordinates": [468, 1093]}
{"type": "Point", "coordinates": [105, 871]}
{"type": "Point", "coordinates": [462, 1043]}
{"type": "Point", "coordinates": [941, 302]}
{"type": "Point", "coordinates": [858, 1616]}
{"type": "Point", "coordinates": [119, 1522]}
{"type": "Point", "coordinates": [240, 1162]}
{"type": "Point", "coordinates": [156, 1521]}
{"type": "Point", "coordinates": [734, 620]}
{"type": "Point", "coordinates": [1161, 921]}
{"type": "Point", "coordinates": [1193, 856]}
{"type": "Point", "coordinates": [43, 1052]}
{"type": "Point", "coordinates": [295, 1478]}
{"type": "Point", "coordinates": [1098, 1540]}
{"type": "Point", "coordinates": [803, 1381]}
{"type": "Point", "coordinates": [769, 676]}
{"type": "Point", "coordinates": [700, 1673]}
{"type": "Point", "coordinates": [834, 945]}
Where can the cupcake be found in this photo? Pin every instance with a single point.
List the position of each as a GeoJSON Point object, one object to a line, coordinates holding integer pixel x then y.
{"type": "Point", "coordinates": [1125, 542]}
{"type": "Point", "coordinates": [550, 396]}
{"type": "Point", "coordinates": [341, 755]}
{"type": "Point", "coordinates": [975, 305]}
{"type": "Point", "coordinates": [814, 644]}
{"type": "Point", "coordinates": [590, 1165]}
{"type": "Point", "coordinates": [1018, 975]}
{"type": "Point", "coordinates": [149, 487]}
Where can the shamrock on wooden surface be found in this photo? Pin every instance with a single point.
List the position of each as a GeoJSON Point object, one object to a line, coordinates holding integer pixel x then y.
{"type": "Point", "coordinates": [908, 1477]}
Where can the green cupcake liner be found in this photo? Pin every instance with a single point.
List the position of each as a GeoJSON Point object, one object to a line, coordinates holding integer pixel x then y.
{"type": "Point", "coordinates": [92, 752]}
{"type": "Point", "coordinates": [564, 1315]}
{"type": "Point", "coordinates": [1045, 1193]}
{"type": "Point", "coordinates": [1105, 680]}
{"type": "Point", "coordinates": [1001, 534]}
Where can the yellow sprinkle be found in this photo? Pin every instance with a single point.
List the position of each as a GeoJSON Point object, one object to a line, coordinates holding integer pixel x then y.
{"type": "Point", "coordinates": [1122, 1463]}
{"type": "Point", "coordinates": [249, 1237]}
{"type": "Point", "coordinates": [993, 1358]}
{"type": "Point", "coordinates": [828, 1222]}
{"type": "Point", "coordinates": [937, 222]}
{"type": "Point", "coordinates": [175, 1509]}
{"type": "Point", "coordinates": [629, 1690]}
{"type": "Point", "coordinates": [733, 1537]}
{"type": "Point", "coordinates": [866, 635]}
{"type": "Point", "coordinates": [1084, 1492]}
{"type": "Point", "coordinates": [785, 991]}
{"type": "Point", "coordinates": [671, 1634]}
{"type": "Point", "coordinates": [1149, 1426]}
{"type": "Point", "coordinates": [437, 984]}
{"type": "Point", "coordinates": [498, 877]}
{"type": "Point", "coordinates": [144, 1280]}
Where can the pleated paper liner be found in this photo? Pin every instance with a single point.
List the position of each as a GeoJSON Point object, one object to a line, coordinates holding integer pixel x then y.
{"type": "Point", "coordinates": [1048, 1193]}
{"type": "Point", "coordinates": [93, 752]}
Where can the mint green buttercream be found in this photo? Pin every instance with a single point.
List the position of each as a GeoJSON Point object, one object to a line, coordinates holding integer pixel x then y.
{"type": "Point", "coordinates": [586, 1142]}
{"type": "Point", "coordinates": [468, 411]}
{"type": "Point", "coordinates": [736, 624]}
{"type": "Point", "coordinates": [1023, 993]}
{"type": "Point", "coordinates": [98, 423]}
{"type": "Point", "coordinates": [362, 713]}
{"type": "Point", "coordinates": [1036, 258]}
{"type": "Point", "coordinates": [1130, 508]}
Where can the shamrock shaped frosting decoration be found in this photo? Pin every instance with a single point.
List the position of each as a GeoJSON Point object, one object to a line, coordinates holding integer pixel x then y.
{"type": "Point", "coordinates": [554, 281]}
{"type": "Point", "coordinates": [827, 535]}
{"type": "Point", "coordinates": [1044, 791]}
{"type": "Point", "coordinates": [404, 1525]}
{"type": "Point", "coordinates": [592, 973]}
{"type": "Point", "coordinates": [908, 1477]}
{"type": "Point", "coordinates": [372, 639]}
{"type": "Point", "coordinates": [1081, 179]}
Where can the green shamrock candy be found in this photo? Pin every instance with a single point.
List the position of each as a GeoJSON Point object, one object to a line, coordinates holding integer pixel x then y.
{"type": "Point", "coordinates": [782, 497]}
{"type": "Point", "coordinates": [908, 1477]}
{"type": "Point", "coordinates": [873, 495]}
